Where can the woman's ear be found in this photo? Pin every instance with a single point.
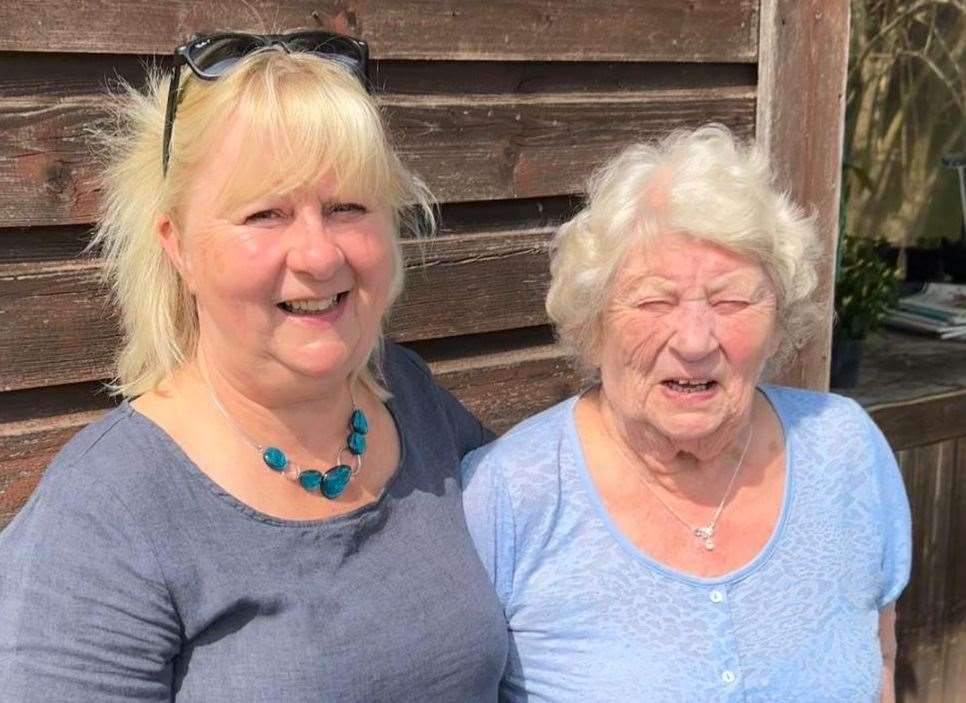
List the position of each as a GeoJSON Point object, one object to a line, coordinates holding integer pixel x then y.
{"type": "Point", "coordinates": [170, 238]}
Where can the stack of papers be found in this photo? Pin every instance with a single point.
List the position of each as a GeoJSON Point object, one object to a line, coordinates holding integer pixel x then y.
{"type": "Point", "coordinates": [938, 309]}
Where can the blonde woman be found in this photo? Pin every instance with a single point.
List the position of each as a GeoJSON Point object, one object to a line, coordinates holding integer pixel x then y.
{"type": "Point", "coordinates": [683, 531]}
{"type": "Point", "coordinates": [273, 511]}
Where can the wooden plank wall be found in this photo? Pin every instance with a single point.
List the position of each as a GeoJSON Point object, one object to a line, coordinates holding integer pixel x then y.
{"type": "Point", "coordinates": [504, 108]}
{"type": "Point", "coordinates": [929, 436]}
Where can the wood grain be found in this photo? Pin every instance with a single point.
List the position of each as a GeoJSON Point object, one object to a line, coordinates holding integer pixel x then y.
{"type": "Point", "coordinates": [800, 123]}
{"type": "Point", "coordinates": [60, 328]}
{"type": "Point", "coordinates": [934, 482]}
{"type": "Point", "coordinates": [653, 30]}
{"type": "Point", "coordinates": [467, 148]}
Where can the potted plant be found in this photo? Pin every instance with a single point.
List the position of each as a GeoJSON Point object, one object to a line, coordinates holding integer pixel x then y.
{"type": "Point", "coordinates": [887, 251]}
{"type": "Point", "coordinates": [924, 261]}
{"type": "Point", "coordinates": [865, 288]}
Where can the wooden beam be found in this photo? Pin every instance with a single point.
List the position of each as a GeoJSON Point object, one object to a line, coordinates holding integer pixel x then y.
{"type": "Point", "coordinates": [802, 66]}
{"type": "Point", "coordinates": [513, 30]}
{"type": "Point", "coordinates": [466, 147]}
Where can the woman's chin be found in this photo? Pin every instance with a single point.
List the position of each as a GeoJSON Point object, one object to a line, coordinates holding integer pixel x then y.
{"type": "Point", "coordinates": [323, 364]}
{"type": "Point", "coordinates": [688, 427]}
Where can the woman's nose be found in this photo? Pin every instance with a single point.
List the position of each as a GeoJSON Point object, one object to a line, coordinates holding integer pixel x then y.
{"type": "Point", "coordinates": [312, 249]}
{"type": "Point", "coordinates": [693, 335]}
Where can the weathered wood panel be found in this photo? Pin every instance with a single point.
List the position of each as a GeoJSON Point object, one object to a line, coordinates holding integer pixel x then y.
{"type": "Point", "coordinates": [500, 387]}
{"type": "Point", "coordinates": [924, 421]}
{"type": "Point", "coordinates": [467, 148]}
{"type": "Point", "coordinates": [701, 30]}
{"type": "Point", "coordinates": [934, 482]}
{"type": "Point", "coordinates": [801, 107]}
{"type": "Point", "coordinates": [60, 328]}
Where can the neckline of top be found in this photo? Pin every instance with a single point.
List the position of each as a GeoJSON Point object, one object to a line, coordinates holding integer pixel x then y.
{"type": "Point", "coordinates": [194, 472]}
{"type": "Point", "coordinates": [645, 559]}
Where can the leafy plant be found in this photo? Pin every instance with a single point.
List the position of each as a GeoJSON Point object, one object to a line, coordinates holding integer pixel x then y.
{"type": "Point", "coordinates": [865, 288]}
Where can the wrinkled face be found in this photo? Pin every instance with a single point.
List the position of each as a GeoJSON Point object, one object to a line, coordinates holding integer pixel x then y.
{"type": "Point", "coordinates": [686, 336]}
{"type": "Point", "coordinates": [291, 284]}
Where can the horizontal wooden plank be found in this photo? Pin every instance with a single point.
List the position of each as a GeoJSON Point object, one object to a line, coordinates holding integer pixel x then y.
{"type": "Point", "coordinates": [59, 327]}
{"type": "Point", "coordinates": [501, 388]}
{"type": "Point", "coordinates": [466, 147]}
{"type": "Point", "coordinates": [923, 421]}
{"type": "Point", "coordinates": [700, 30]}
{"type": "Point", "coordinates": [23, 75]}
{"type": "Point", "coordinates": [26, 247]}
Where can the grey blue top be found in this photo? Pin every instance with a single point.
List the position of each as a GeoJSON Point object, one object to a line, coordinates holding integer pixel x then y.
{"type": "Point", "coordinates": [592, 618]}
{"type": "Point", "coordinates": [131, 576]}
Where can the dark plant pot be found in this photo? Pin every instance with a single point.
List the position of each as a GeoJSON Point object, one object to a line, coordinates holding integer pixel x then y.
{"type": "Point", "coordinates": [954, 260]}
{"type": "Point", "coordinates": [846, 357]}
{"type": "Point", "coordinates": [924, 264]}
{"type": "Point", "coordinates": [889, 254]}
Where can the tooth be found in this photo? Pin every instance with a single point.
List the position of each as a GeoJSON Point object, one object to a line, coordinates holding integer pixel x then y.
{"type": "Point", "coordinates": [312, 305]}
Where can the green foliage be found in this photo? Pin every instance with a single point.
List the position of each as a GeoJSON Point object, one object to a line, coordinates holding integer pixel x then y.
{"type": "Point", "coordinates": [865, 287]}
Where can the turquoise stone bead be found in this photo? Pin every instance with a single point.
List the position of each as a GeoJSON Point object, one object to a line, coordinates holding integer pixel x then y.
{"type": "Point", "coordinates": [275, 458]}
{"type": "Point", "coordinates": [310, 479]}
{"type": "Point", "coordinates": [335, 480]}
{"type": "Point", "coordinates": [356, 443]}
{"type": "Point", "coordinates": [358, 422]}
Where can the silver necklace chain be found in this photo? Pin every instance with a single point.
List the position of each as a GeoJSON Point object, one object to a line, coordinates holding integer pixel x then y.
{"type": "Point", "coordinates": [704, 533]}
{"type": "Point", "coordinates": [293, 470]}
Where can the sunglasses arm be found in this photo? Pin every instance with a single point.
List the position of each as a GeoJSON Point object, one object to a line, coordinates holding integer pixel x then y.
{"type": "Point", "coordinates": [169, 114]}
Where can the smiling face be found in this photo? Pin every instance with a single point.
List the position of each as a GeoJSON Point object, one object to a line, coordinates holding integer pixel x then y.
{"type": "Point", "coordinates": [288, 287]}
{"type": "Point", "coordinates": [685, 337]}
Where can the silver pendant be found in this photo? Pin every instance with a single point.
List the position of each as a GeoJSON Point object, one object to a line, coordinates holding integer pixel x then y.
{"type": "Point", "coordinates": [706, 535]}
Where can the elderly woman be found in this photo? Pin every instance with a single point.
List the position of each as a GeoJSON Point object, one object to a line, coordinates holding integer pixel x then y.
{"type": "Point", "coordinates": [681, 531]}
{"type": "Point", "coordinates": [218, 537]}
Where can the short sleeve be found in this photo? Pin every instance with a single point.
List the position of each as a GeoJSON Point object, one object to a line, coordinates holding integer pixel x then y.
{"type": "Point", "coordinates": [85, 614]}
{"type": "Point", "coordinates": [489, 516]}
{"type": "Point", "coordinates": [894, 519]}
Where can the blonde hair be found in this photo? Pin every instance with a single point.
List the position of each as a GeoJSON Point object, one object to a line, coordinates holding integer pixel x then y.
{"type": "Point", "coordinates": [705, 184]}
{"type": "Point", "coordinates": [312, 113]}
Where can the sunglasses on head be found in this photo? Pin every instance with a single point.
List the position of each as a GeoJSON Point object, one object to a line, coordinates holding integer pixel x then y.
{"type": "Point", "coordinates": [210, 57]}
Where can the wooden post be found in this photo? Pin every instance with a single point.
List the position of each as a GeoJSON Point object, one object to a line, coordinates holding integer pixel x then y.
{"type": "Point", "coordinates": [802, 67]}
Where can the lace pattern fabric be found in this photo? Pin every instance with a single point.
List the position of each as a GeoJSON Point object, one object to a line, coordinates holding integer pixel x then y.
{"type": "Point", "coordinates": [591, 618]}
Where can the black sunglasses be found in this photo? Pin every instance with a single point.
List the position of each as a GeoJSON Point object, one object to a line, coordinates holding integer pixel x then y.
{"type": "Point", "coordinates": [213, 55]}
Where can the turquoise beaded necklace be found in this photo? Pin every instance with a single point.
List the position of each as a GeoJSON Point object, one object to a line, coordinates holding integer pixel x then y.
{"type": "Point", "coordinates": [329, 483]}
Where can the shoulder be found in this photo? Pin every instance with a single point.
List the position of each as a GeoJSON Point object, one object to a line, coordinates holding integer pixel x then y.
{"type": "Point", "coordinates": [536, 437]}
{"type": "Point", "coordinates": [527, 455]}
{"type": "Point", "coordinates": [837, 443]}
{"type": "Point", "coordinates": [816, 416]}
{"type": "Point", "coordinates": [107, 471]}
{"type": "Point", "coordinates": [403, 366]}
{"type": "Point", "coordinates": [100, 449]}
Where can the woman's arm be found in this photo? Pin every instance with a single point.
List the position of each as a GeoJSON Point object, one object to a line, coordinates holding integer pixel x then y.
{"type": "Point", "coordinates": [887, 642]}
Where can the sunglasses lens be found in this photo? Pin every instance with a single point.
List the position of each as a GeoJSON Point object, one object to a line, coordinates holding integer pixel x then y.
{"type": "Point", "coordinates": [334, 47]}
{"type": "Point", "coordinates": [211, 57]}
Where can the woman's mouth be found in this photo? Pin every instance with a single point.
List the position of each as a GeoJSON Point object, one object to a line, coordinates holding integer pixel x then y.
{"type": "Point", "coordinates": [312, 306]}
{"type": "Point", "coordinates": [689, 385]}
